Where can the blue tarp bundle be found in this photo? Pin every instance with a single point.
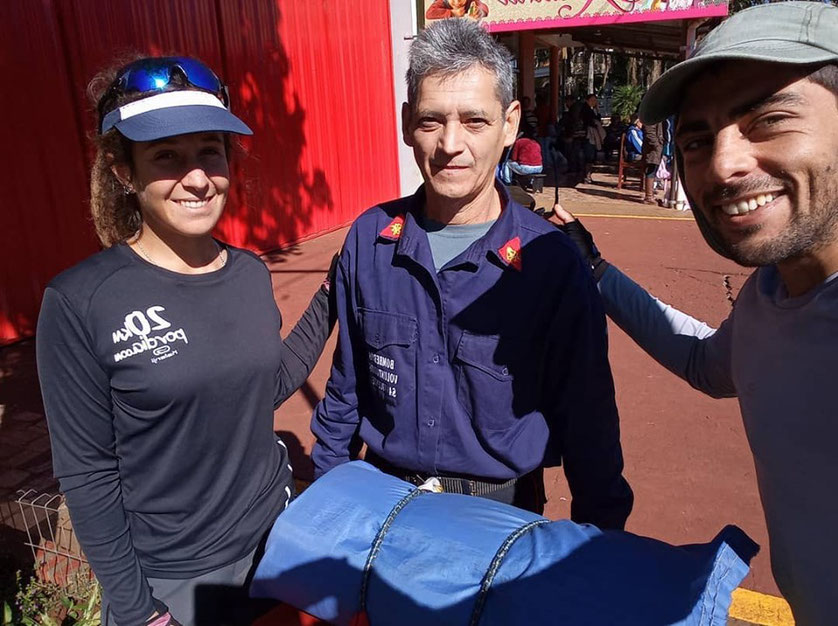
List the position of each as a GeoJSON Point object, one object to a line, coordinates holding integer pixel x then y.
{"type": "Point", "coordinates": [362, 542]}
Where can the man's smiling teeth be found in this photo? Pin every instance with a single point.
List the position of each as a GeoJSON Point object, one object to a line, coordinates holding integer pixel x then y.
{"type": "Point", "coordinates": [193, 204]}
{"type": "Point", "coordinates": [747, 205]}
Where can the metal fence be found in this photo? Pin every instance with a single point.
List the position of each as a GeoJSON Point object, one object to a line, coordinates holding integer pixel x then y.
{"type": "Point", "coordinates": [58, 557]}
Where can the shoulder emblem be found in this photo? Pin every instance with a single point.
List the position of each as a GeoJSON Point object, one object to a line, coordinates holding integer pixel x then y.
{"type": "Point", "coordinates": [393, 230]}
{"type": "Point", "coordinates": [510, 253]}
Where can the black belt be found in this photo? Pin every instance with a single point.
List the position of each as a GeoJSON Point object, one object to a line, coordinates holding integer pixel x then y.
{"type": "Point", "coordinates": [466, 485]}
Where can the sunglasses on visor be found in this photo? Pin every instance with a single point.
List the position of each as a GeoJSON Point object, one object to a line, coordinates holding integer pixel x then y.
{"type": "Point", "coordinates": [156, 74]}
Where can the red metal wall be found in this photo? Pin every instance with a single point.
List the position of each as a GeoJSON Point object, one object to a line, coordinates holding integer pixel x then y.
{"type": "Point", "coordinates": [313, 79]}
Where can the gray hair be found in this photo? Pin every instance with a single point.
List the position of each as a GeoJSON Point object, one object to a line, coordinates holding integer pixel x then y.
{"type": "Point", "coordinates": [454, 45]}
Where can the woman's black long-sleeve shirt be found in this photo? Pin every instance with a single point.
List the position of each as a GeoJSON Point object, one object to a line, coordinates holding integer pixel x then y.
{"type": "Point", "coordinates": [159, 391]}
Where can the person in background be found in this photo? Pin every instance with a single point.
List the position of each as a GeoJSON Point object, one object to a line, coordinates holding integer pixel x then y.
{"type": "Point", "coordinates": [545, 129]}
{"type": "Point", "coordinates": [565, 135]}
{"type": "Point", "coordinates": [634, 139]}
{"type": "Point", "coordinates": [664, 173]}
{"type": "Point", "coordinates": [529, 118]}
{"type": "Point", "coordinates": [525, 158]}
{"type": "Point", "coordinates": [651, 154]}
{"type": "Point", "coordinates": [161, 363]}
{"type": "Point", "coordinates": [591, 141]}
{"type": "Point", "coordinates": [455, 302]}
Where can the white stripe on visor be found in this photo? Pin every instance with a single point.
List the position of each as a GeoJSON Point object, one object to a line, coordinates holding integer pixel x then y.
{"type": "Point", "coordinates": [168, 100]}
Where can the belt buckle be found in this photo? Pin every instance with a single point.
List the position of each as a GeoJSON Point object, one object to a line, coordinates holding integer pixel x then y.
{"type": "Point", "coordinates": [431, 485]}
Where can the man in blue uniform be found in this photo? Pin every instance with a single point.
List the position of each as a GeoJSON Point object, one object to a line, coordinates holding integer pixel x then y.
{"type": "Point", "coordinates": [472, 343]}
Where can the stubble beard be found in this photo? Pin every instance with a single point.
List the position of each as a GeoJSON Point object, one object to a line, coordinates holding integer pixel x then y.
{"type": "Point", "coordinates": [805, 232]}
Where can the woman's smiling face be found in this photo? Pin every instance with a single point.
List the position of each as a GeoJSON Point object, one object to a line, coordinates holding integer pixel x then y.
{"type": "Point", "coordinates": [181, 182]}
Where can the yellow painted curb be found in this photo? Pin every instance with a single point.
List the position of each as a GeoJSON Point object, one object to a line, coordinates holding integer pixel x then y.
{"type": "Point", "coordinates": [635, 217]}
{"type": "Point", "coordinates": [760, 608]}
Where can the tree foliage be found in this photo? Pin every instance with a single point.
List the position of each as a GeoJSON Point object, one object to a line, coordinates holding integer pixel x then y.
{"type": "Point", "coordinates": [626, 99]}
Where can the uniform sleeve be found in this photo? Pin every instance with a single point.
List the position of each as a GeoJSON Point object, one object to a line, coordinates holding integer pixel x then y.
{"type": "Point", "coordinates": [335, 419]}
{"type": "Point", "coordinates": [685, 346]}
{"type": "Point", "coordinates": [303, 346]}
{"type": "Point", "coordinates": [584, 410]}
{"type": "Point", "coordinates": [76, 395]}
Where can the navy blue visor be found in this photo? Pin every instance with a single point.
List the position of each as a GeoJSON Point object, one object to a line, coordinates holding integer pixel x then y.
{"type": "Point", "coordinates": [182, 95]}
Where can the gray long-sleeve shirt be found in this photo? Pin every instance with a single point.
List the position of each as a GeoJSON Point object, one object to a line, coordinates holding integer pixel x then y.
{"type": "Point", "coordinates": [778, 356]}
{"type": "Point", "coordinates": [159, 391]}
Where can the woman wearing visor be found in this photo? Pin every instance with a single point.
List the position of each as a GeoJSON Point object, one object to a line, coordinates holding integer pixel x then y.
{"type": "Point", "coordinates": [161, 362]}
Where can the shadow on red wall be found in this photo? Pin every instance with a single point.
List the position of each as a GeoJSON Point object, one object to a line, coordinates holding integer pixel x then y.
{"type": "Point", "coordinates": [315, 85]}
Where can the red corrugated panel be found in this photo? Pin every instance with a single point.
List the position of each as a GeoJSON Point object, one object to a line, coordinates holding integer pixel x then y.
{"type": "Point", "coordinates": [314, 82]}
{"type": "Point", "coordinates": [43, 215]}
{"type": "Point", "coordinates": [316, 86]}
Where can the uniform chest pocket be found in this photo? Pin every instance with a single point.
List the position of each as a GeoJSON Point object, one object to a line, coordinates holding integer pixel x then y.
{"type": "Point", "coordinates": [390, 340]}
{"type": "Point", "coordinates": [489, 386]}
{"type": "Point", "coordinates": [482, 352]}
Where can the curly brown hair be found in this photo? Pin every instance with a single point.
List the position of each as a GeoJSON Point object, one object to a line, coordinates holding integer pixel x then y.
{"type": "Point", "coordinates": [116, 213]}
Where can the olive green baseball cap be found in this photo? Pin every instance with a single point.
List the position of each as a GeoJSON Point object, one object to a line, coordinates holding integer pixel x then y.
{"type": "Point", "coordinates": [798, 33]}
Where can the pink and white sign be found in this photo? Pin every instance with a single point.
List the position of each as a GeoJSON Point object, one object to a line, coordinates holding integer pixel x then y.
{"type": "Point", "coordinates": [510, 15]}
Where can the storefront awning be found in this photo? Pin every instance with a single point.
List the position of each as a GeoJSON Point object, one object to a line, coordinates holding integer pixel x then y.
{"type": "Point", "coordinates": [665, 39]}
{"type": "Point", "coordinates": [656, 26]}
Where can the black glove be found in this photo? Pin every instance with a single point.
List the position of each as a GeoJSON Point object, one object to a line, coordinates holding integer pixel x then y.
{"type": "Point", "coordinates": [584, 242]}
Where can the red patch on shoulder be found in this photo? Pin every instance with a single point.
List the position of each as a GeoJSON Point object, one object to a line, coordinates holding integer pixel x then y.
{"type": "Point", "coordinates": [393, 230]}
{"type": "Point", "coordinates": [510, 253]}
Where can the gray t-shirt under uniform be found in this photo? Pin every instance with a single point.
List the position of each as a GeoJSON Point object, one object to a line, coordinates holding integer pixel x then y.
{"type": "Point", "coordinates": [160, 391]}
{"type": "Point", "coordinates": [448, 241]}
{"type": "Point", "coordinates": [779, 356]}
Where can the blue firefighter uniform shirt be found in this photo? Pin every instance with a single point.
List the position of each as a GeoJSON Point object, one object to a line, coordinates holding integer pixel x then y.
{"type": "Point", "coordinates": [491, 367]}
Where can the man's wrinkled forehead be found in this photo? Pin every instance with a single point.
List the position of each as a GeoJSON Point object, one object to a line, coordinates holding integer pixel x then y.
{"type": "Point", "coordinates": [729, 89]}
{"type": "Point", "coordinates": [447, 80]}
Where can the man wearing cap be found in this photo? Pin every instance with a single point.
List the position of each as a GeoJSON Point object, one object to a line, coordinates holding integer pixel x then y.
{"type": "Point", "coordinates": [757, 141]}
{"type": "Point", "coordinates": [455, 304]}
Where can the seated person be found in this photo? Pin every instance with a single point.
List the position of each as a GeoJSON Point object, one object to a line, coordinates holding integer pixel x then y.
{"type": "Point", "coordinates": [634, 139]}
{"type": "Point", "coordinates": [525, 158]}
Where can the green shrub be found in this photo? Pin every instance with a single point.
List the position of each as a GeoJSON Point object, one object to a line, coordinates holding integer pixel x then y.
{"type": "Point", "coordinates": [41, 603]}
{"type": "Point", "coordinates": [626, 99]}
